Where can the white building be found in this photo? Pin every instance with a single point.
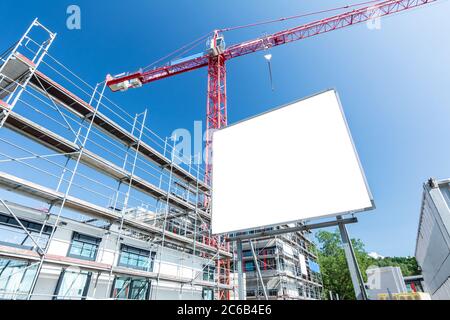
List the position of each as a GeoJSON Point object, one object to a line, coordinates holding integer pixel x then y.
{"type": "Point", "coordinates": [433, 238]}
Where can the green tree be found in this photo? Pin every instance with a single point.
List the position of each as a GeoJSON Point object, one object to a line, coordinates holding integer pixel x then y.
{"type": "Point", "coordinates": [334, 269]}
{"type": "Point", "coordinates": [408, 265]}
{"type": "Point", "coordinates": [335, 274]}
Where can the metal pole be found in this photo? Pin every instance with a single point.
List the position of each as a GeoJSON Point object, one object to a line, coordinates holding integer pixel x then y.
{"type": "Point", "coordinates": [353, 267]}
{"type": "Point", "coordinates": [39, 248]}
{"type": "Point", "coordinates": [241, 293]}
{"type": "Point", "coordinates": [165, 218]}
{"type": "Point", "coordinates": [255, 258]}
{"type": "Point", "coordinates": [127, 195]}
{"type": "Point", "coordinates": [15, 95]}
{"type": "Point", "coordinates": [64, 199]}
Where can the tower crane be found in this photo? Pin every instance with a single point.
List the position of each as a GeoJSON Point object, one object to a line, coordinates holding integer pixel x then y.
{"type": "Point", "coordinates": [217, 54]}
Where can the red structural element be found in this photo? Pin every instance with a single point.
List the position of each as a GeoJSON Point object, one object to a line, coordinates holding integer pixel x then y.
{"type": "Point", "coordinates": [216, 106]}
{"type": "Point", "coordinates": [215, 60]}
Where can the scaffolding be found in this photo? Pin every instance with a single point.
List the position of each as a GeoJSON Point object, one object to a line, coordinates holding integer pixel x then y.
{"type": "Point", "coordinates": [72, 158]}
{"type": "Point", "coordinates": [281, 267]}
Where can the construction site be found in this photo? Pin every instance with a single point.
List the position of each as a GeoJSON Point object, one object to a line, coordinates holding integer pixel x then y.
{"type": "Point", "coordinates": [96, 205]}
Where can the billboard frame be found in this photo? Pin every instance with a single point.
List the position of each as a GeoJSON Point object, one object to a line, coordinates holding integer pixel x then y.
{"type": "Point", "coordinates": [366, 184]}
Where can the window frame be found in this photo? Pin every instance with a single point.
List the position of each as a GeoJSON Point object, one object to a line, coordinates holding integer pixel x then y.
{"type": "Point", "coordinates": [94, 239]}
{"type": "Point", "coordinates": [130, 286]}
{"type": "Point", "coordinates": [86, 287]}
{"type": "Point", "coordinates": [207, 290]}
{"type": "Point", "coordinates": [149, 255]}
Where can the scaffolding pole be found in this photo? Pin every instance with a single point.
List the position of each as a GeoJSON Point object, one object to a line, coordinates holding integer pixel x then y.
{"type": "Point", "coordinates": [14, 96]}
{"type": "Point", "coordinates": [241, 293]}
{"type": "Point", "coordinates": [258, 270]}
{"type": "Point", "coordinates": [66, 194]}
{"type": "Point", "coordinates": [166, 213]}
{"type": "Point", "coordinates": [127, 195]}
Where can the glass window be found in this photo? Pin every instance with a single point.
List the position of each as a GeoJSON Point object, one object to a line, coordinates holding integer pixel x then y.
{"type": "Point", "coordinates": [84, 247]}
{"type": "Point", "coordinates": [136, 258]}
{"type": "Point", "coordinates": [16, 278]}
{"type": "Point", "coordinates": [300, 291]}
{"type": "Point", "coordinates": [273, 292]}
{"type": "Point", "coordinates": [250, 293]}
{"type": "Point", "coordinates": [128, 288]}
{"type": "Point", "coordinates": [73, 285]}
{"type": "Point", "coordinates": [246, 253]}
{"type": "Point", "coordinates": [12, 234]}
{"type": "Point", "coordinates": [249, 266]}
{"type": "Point", "coordinates": [209, 272]}
{"type": "Point", "coordinates": [208, 294]}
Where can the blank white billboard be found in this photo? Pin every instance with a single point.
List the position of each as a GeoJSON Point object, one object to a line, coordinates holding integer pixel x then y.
{"type": "Point", "coordinates": [297, 162]}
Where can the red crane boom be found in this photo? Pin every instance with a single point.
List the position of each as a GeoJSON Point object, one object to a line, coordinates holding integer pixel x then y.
{"type": "Point", "coordinates": [217, 55]}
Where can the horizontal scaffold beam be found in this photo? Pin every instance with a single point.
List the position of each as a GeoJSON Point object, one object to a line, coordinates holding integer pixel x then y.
{"type": "Point", "coordinates": [57, 143]}
{"type": "Point", "coordinates": [82, 109]}
{"type": "Point", "coordinates": [35, 190]}
{"type": "Point", "coordinates": [52, 259]}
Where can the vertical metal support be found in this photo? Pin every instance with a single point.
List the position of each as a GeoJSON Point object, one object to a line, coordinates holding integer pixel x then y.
{"type": "Point", "coordinates": [39, 248]}
{"type": "Point", "coordinates": [258, 270]}
{"type": "Point", "coordinates": [353, 267]}
{"type": "Point", "coordinates": [39, 56]}
{"type": "Point", "coordinates": [165, 216]}
{"type": "Point", "coordinates": [196, 203]}
{"type": "Point", "coordinates": [66, 194]}
{"type": "Point", "coordinates": [127, 195]}
{"type": "Point", "coordinates": [241, 293]}
{"type": "Point", "coordinates": [216, 107]}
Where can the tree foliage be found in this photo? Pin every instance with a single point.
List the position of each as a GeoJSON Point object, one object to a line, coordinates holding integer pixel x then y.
{"type": "Point", "coordinates": [335, 274]}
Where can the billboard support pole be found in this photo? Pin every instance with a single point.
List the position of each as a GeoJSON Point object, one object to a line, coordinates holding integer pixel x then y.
{"type": "Point", "coordinates": [355, 273]}
{"type": "Point", "coordinates": [304, 227]}
{"type": "Point", "coordinates": [241, 293]}
{"type": "Point", "coordinates": [255, 259]}
{"type": "Point", "coordinates": [353, 267]}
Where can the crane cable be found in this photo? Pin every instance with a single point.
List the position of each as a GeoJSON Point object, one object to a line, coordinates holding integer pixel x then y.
{"type": "Point", "coordinates": [192, 44]}
{"type": "Point", "coordinates": [298, 16]}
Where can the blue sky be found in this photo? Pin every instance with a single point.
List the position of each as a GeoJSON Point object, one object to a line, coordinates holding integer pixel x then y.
{"type": "Point", "coordinates": [393, 82]}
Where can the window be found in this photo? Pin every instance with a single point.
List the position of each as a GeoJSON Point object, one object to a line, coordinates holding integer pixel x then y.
{"type": "Point", "coordinates": [131, 288]}
{"type": "Point", "coordinates": [15, 278]}
{"type": "Point", "coordinates": [273, 292]}
{"type": "Point", "coordinates": [251, 293]}
{"type": "Point", "coordinates": [300, 291]}
{"type": "Point", "coordinates": [84, 247]}
{"type": "Point", "coordinates": [136, 258]}
{"type": "Point", "coordinates": [208, 273]}
{"type": "Point", "coordinates": [12, 234]}
{"type": "Point", "coordinates": [247, 253]}
{"type": "Point", "coordinates": [268, 264]}
{"type": "Point", "coordinates": [249, 266]}
{"type": "Point", "coordinates": [73, 285]}
{"type": "Point", "coordinates": [208, 294]}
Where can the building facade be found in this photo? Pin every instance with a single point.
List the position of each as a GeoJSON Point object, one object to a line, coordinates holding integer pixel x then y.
{"type": "Point", "coordinates": [433, 238]}
{"type": "Point", "coordinates": [288, 266]}
{"type": "Point", "coordinates": [94, 204]}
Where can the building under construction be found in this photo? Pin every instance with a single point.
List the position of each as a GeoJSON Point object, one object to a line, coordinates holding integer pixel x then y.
{"type": "Point", "coordinates": [95, 205]}
{"type": "Point", "coordinates": [282, 267]}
